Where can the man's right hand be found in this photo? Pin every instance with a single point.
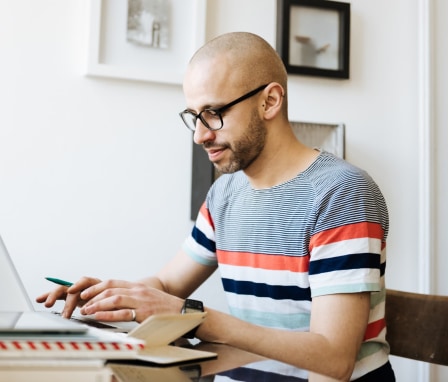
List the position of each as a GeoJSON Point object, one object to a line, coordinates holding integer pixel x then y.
{"type": "Point", "coordinates": [71, 295]}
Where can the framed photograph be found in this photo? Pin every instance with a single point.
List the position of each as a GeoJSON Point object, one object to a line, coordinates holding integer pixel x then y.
{"type": "Point", "coordinates": [313, 37]}
{"type": "Point", "coordinates": [325, 136]}
{"type": "Point", "coordinates": [144, 40]}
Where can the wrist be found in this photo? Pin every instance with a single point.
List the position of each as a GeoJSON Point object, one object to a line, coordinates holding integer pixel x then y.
{"type": "Point", "coordinates": [191, 306]}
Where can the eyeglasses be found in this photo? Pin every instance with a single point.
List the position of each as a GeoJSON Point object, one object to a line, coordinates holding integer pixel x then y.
{"type": "Point", "coordinates": [211, 118]}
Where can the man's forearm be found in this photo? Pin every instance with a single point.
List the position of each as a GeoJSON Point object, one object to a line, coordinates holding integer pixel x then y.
{"type": "Point", "coordinates": [153, 282]}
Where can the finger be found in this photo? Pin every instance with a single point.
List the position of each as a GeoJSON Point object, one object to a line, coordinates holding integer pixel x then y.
{"type": "Point", "coordinates": [83, 284]}
{"type": "Point", "coordinates": [91, 292]}
{"type": "Point", "coordinates": [111, 299]}
{"type": "Point", "coordinates": [110, 303]}
{"type": "Point", "coordinates": [117, 315]}
{"type": "Point", "coordinates": [60, 292]}
{"type": "Point", "coordinates": [49, 299]}
{"type": "Point", "coordinates": [42, 298]}
{"type": "Point", "coordinates": [71, 302]}
{"type": "Point", "coordinates": [73, 297]}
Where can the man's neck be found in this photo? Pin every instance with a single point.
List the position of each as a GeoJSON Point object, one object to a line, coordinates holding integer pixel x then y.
{"type": "Point", "coordinates": [280, 164]}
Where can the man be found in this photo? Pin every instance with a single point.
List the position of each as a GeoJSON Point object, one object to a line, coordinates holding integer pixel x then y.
{"type": "Point", "coordinates": [299, 235]}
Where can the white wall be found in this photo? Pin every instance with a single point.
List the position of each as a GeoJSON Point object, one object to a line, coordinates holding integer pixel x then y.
{"type": "Point", "coordinates": [95, 173]}
{"type": "Point", "coordinates": [441, 156]}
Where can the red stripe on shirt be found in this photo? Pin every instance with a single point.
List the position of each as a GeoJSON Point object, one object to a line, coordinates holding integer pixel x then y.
{"type": "Point", "coordinates": [374, 329]}
{"type": "Point", "coordinates": [206, 213]}
{"type": "Point", "coordinates": [263, 261]}
{"type": "Point", "coordinates": [347, 232]}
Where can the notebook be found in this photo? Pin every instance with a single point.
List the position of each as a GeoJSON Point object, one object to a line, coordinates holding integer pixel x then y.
{"type": "Point", "coordinates": [95, 343]}
{"type": "Point", "coordinates": [150, 343]}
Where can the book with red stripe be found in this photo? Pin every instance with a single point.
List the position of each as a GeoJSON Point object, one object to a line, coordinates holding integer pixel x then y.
{"type": "Point", "coordinates": [95, 343]}
{"type": "Point", "coordinates": [148, 342]}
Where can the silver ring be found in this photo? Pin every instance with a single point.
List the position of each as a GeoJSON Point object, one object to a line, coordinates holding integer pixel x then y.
{"type": "Point", "coordinates": [134, 314]}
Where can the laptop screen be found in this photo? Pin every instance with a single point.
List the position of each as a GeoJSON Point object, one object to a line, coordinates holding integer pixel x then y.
{"type": "Point", "coordinates": [13, 296]}
{"type": "Point", "coordinates": [17, 314]}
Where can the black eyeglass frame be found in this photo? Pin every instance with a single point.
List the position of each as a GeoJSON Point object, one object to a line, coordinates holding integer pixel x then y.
{"type": "Point", "coordinates": [218, 111]}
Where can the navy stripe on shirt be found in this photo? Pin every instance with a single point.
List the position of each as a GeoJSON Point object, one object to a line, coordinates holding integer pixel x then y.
{"type": "Point", "coordinates": [276, 292]}
{"type": "Point", "coordinates": [347, 262]}
{"type": "Point", "coordinates": [203, 240]}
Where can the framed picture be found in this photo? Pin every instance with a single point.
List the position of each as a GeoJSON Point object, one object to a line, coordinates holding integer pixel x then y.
{"type": "Point", "coordinates": [313, 37]}
{"type": "Point", "coordinates": [326, 136]}
{"type": "Point", "coordinates": [144, 40]}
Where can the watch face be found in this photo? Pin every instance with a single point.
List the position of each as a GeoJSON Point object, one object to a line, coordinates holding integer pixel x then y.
{"type": "Point", "coordinates": [191, 310]}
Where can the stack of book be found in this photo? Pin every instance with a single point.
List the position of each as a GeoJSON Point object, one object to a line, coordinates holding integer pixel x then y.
{"type": "Point", "coordinates": [23, 356]}
{"type": "Point", "coordinates": [69, 357]}
{"type": "Point", "coordinates": [94, 343]}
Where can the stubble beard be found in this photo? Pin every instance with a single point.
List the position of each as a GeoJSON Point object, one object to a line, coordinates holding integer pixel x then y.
{"type": "Point", "coordinates": [247, 149]}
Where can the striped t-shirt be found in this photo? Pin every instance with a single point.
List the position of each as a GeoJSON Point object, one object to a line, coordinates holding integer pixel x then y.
{"type": "Point", "coordinates": [322, 232]}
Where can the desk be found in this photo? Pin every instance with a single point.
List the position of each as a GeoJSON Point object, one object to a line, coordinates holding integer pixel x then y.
{"type": "Point", "coordinates": [231, 365]}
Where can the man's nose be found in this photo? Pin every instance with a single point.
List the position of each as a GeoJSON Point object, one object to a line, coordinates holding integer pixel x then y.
{"type": "Point", "coordinates": [202, 134]}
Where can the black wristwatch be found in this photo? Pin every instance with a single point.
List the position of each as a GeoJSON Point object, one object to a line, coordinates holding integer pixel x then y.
{"type": "Point", "coordinates": [192, 306]}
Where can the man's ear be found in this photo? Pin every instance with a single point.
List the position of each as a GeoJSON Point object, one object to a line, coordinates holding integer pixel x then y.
{"type": "Point", "coordinates": [273, 101]}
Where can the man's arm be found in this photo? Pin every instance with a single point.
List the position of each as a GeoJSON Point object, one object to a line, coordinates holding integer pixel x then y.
{"type": "Point", "coordinates": [181, 276]}
{"type": "Point", "coordinates": [114, 300]}
{"type": "Point", "coordinates": [337, 327]}
{"type": "Point", "coordinates": [338, 324]}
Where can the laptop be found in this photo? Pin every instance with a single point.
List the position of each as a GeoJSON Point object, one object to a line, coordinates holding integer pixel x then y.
{"type": "Point", "coordinates": [17, 313]}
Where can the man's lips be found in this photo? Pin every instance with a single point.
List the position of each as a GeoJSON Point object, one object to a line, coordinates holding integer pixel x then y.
{"type": "Point", "coordinates": [214, 152]}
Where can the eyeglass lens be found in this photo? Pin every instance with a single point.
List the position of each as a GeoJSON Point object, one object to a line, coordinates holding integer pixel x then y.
{"type": "Point", "coordinates": [211, 119]}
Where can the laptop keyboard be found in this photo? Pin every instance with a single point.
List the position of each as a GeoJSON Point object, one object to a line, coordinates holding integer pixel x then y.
{"type": "Point", "coordinates": [88, 322]}
{"type": "Point", "coordinates": [95, 324]}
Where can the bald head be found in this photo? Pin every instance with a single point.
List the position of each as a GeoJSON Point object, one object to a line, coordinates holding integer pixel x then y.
{"type": "Point", "coordinates": [252, 60]}
{"type": "Point", "coordinates": [235, 62]}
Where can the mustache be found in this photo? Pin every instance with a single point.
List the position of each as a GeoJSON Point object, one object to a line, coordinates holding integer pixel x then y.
{"type": "Point", "coordinates": [214, 146]}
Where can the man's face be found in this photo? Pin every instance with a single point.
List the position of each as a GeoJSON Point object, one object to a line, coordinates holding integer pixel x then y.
{"type": "Point", "coordinates": [243, 135]}
{"type": "Point", "coordinates": [238, 144]}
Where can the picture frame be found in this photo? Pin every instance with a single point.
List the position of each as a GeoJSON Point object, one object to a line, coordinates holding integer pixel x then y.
{"type": "Point", "coordinates": [111, 55]}
{"type": "Point", "coordinates": [326, 136]}
{"type": "Point", "coordinates": [313, 37]}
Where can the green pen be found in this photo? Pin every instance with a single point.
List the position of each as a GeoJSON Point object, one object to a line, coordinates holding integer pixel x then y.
{"type": "Point", "coordinates": [59, 281]}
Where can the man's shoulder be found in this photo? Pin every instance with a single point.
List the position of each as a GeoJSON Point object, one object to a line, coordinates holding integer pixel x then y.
{"type": "Point", "coordinates": [330, 169]}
